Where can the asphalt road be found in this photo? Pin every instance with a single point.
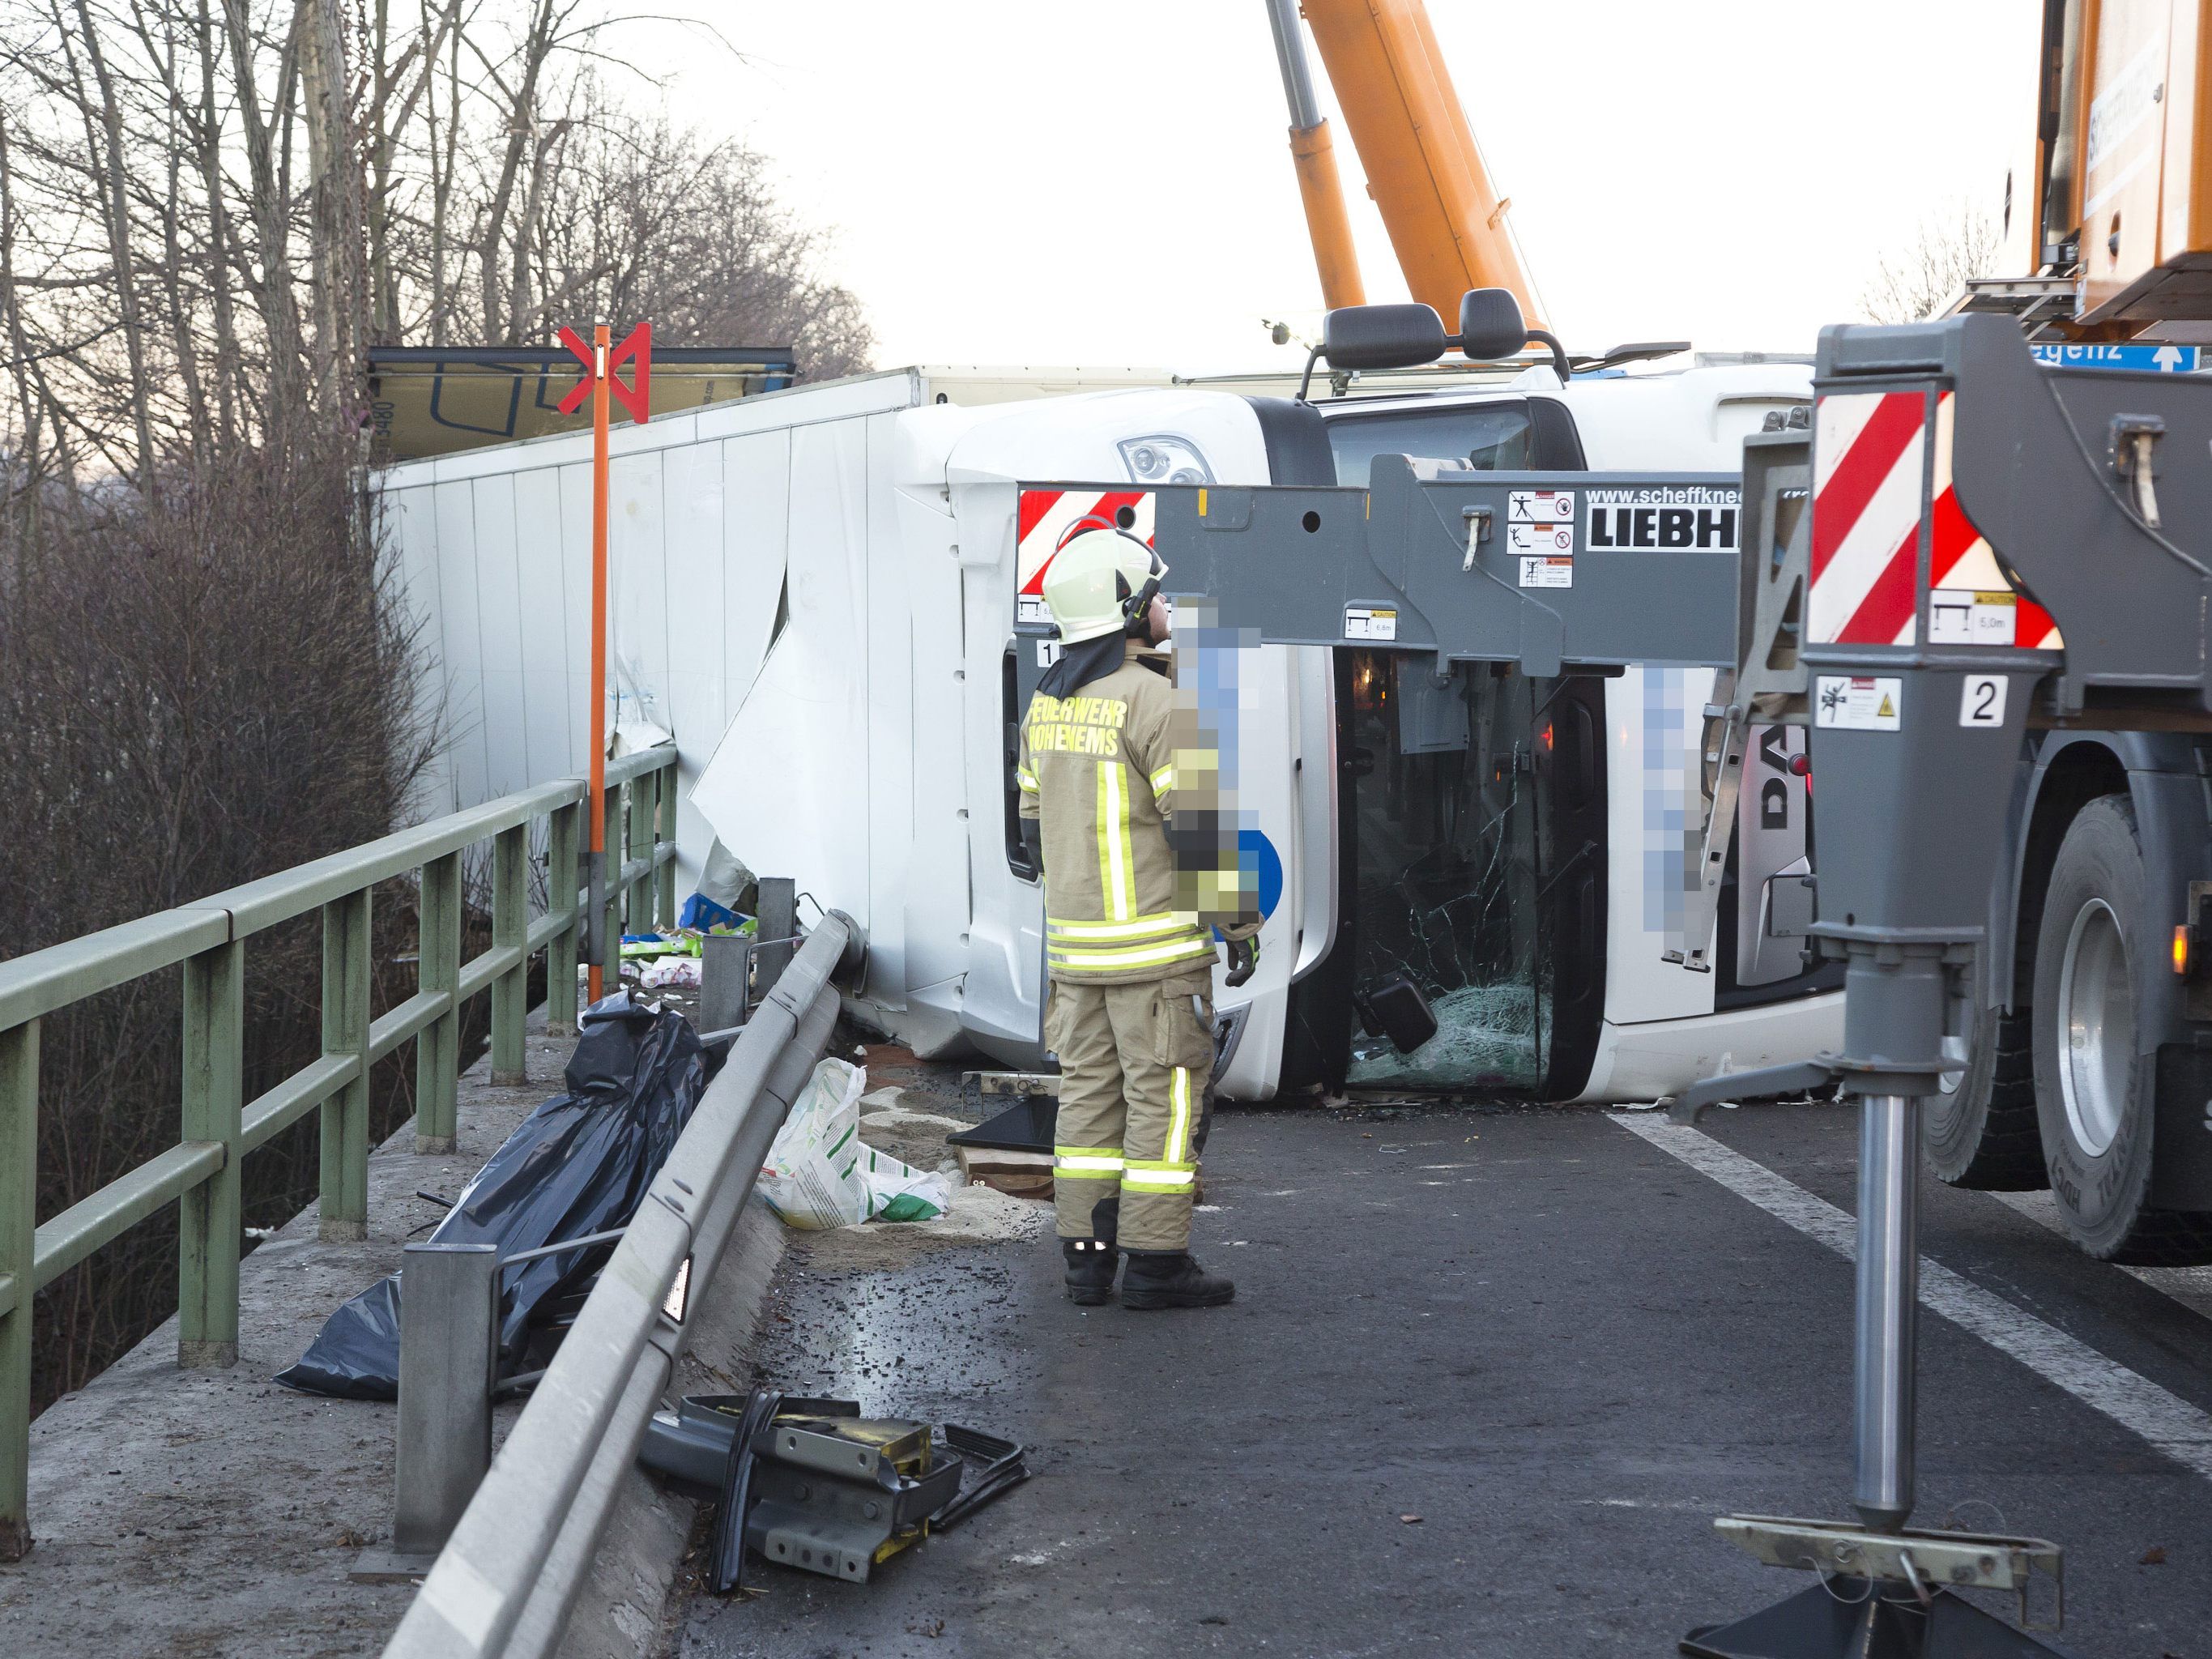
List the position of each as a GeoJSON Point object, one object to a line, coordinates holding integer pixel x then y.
{"type": "Point", "coordinates": [1488, 1378]}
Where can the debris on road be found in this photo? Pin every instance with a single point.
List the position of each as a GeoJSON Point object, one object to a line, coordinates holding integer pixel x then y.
{"type": "Point", "coordinates": [577, 1166]}
{"type": "Point", "coordinates": [821, 1174]}
{"type": "Point", "coordinates": [814, 1485]}
{"type": "Point", "coordinates": [1011, 1151]}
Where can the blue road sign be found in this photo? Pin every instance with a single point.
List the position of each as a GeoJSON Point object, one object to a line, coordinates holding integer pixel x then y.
{"type": "Point", "coordinates": [2153, 359]}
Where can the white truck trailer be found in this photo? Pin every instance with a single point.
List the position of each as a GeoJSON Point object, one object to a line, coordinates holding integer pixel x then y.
{"type": "Point", "coordinates": [817, 592]}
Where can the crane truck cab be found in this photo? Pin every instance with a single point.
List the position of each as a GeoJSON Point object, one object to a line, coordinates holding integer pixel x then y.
{"type": "Point", "coordinates": [1516, 849]}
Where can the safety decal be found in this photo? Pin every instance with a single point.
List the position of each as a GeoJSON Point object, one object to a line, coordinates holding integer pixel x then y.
{"type": "Point", "coordinates": [1697, 518]}
{"type": "Point", "coordinates": [1965, 615]}
{"type": "Point", "coordinates": [1540, 522]}
{"type": "Point", "coordinates": [1548, 571]}
{"type": "Point", "coordinates": [1873, 453]}
{"type": "Point", "coordinates": [1857, 703]}
{"type": "Point", "coordinates": [1370, 622]}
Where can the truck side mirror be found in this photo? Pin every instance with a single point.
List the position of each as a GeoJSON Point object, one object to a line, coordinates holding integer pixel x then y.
{"type": "Point", "coordinates": [1377, 337]}
{"type": "Point", "coordinates": [1490, 325]}
{"type": "Point", "coordinates": [1382, 337]}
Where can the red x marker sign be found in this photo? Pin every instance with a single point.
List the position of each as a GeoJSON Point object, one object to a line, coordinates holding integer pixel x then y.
{"type": "Point", "coordinates": [637, 348]}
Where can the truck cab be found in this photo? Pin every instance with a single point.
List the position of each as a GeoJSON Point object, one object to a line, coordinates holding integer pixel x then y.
{"type": "Point", "coordinates": [1518, 848]}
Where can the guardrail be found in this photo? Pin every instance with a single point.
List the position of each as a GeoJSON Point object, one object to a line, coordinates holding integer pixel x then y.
{"type": "Point", "coordinates": [219, 1127]}
{"type": "Point", "coordinates": [509, 1575]}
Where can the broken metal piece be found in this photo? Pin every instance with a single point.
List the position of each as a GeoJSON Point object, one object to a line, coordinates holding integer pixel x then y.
{"type": "Point", "coordinates": [727, 1557]}
{"type": "Point", "coordinates": [1002, 1470]}
{"type": "Point", "coordinates": [1922, 1558]}
{"type": "Point", "coordinates": [812, 1483]}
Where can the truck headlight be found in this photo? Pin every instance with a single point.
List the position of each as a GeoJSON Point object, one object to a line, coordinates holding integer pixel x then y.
{"type": "Point", "coordinates": [1165, 459]}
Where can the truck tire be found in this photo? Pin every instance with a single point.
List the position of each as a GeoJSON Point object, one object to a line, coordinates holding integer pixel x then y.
{"type": "Point", "coordinates": [1983, 1134]}
{"type": "Point", "coordinates": [2094, 1091]}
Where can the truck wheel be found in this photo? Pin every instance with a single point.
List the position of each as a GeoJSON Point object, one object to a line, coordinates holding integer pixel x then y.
{"type": "Point", "coordinates": [2094, 1091]}
{"type": "Point", "coordinates": [1983, 1133]}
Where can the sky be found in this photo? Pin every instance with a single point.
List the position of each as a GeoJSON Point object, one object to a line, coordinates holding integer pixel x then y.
{"type": "Point", "coordinates": [1058, 182]}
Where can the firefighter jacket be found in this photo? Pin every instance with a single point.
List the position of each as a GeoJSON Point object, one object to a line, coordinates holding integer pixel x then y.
{"type": "Point", "coordinates": [1100, 769]}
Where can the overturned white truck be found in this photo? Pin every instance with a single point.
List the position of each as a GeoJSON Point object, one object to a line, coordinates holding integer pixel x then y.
{"type": "Point", "coordinates": [827, 595]}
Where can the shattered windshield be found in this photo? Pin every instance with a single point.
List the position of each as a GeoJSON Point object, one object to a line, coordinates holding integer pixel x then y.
{"type": "Point", "coordinates": [1449, 878]}
{"type": "Point", "coordinates": [1450, 802]}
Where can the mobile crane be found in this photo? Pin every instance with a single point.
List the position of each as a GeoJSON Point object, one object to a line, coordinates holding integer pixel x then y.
{"type": "Point", "coordinates": [2091, 1055]}
{"type": "Point", "coordinates": [1914, 740]}
{"type": "Point", "coordinates": [1940, 457]}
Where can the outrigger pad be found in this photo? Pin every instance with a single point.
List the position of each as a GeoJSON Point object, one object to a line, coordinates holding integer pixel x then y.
{"type": "Point", "coordinates": [1841, 1618]}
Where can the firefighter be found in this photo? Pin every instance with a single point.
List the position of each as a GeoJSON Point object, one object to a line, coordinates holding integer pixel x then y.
{"type": "Point", "coordinates": [1129, 951]}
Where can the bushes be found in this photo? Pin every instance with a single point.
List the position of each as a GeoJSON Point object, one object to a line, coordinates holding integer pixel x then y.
{"type": "Point", "coordinates": [194, 693]}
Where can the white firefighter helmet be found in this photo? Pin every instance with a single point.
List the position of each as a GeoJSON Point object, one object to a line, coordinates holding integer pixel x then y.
{"type": "Point", "coordinates": [1100, 581]}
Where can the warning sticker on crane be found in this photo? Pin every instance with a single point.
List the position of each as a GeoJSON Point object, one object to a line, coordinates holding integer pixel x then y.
{"type": "Point", "coordinates": [1857, 703]}
{"type": "Point", "coordinates": [1540, 523]}
{"type": "Point", "coordinates": [1965, 616]}
{"type": "Point", "coordinates": [1700, 517]}
{"type": "Point", "coordinates": [1370, 622]}
{"type": "Point", "coordinates": [1552, 572]}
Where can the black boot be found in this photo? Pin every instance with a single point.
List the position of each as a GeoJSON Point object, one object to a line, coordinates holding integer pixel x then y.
{"type": "Point", "coordinates": [1170, 1278]}
{"type": "Point", "coordinates": [1090, 1264]}
{"type": "Point", "coordinates": [1091, 1261]}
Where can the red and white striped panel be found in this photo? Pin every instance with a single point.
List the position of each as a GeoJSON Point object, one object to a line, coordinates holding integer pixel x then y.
{"type": "Point", "coordinates": [1046, 515]}
{"type": "Point", "coordinates": [1870, 454]}
{"type": "Point", "coordinates": [1962, 569]}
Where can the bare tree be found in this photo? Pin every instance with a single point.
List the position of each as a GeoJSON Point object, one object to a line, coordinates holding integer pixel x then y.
{"type": "Point", "coordinates": [208, 210]}
{"type": "Point", "coordinates": [1919, 280]}
{"type": "Point", "coordinates": [657, 222]}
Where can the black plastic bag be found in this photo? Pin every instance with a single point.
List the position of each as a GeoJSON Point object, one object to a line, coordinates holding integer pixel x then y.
{"type": "Point", "coordinates": [578, 1164]}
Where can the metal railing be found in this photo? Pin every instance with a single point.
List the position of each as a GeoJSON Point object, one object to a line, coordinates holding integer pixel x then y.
{"type": "Point", "coordinates": [219, 1127]}
{"type": "Point", "coordinates": [511, 1572]}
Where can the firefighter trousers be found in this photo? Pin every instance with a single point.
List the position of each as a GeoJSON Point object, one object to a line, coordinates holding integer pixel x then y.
{"type": "Point", "coordinates": [1134, 1064]}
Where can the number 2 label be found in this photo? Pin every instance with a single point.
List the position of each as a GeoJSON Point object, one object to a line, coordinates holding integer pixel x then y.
{"type": "Point", "coordinates": [1982, 699]}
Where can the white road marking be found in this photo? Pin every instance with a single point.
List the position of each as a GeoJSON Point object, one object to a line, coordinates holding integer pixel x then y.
{"type": "Point", "coordinates": [2168, 1422]}
{"type": "Point", "coordinates": [2189, 1286]}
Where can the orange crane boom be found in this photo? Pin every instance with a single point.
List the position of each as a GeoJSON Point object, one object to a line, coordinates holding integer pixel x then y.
{"type": "Point", "coordinates": [1446, 220]}
{"type": "Point", "coordinates": [1313, 153]}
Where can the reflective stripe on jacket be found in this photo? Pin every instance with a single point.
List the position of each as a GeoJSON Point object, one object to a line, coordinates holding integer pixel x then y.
{"type": "Point", "coordinates": [1098, 769]}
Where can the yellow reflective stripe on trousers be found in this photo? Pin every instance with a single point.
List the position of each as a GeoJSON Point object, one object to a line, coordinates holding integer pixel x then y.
{"type": "Point", "coordinates": [1138, 928]}
{"type": "Point", "coordinates": [1117, 859]}
{"type": "Point", "coordinates": [1089, 1163]}
{"type": "Point", "coordinates": [1075, 958]}
{"type": "Point", "coordinates": [1157, 1176]}
{"type": "Point", "coordinates": [1179, 1116]}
